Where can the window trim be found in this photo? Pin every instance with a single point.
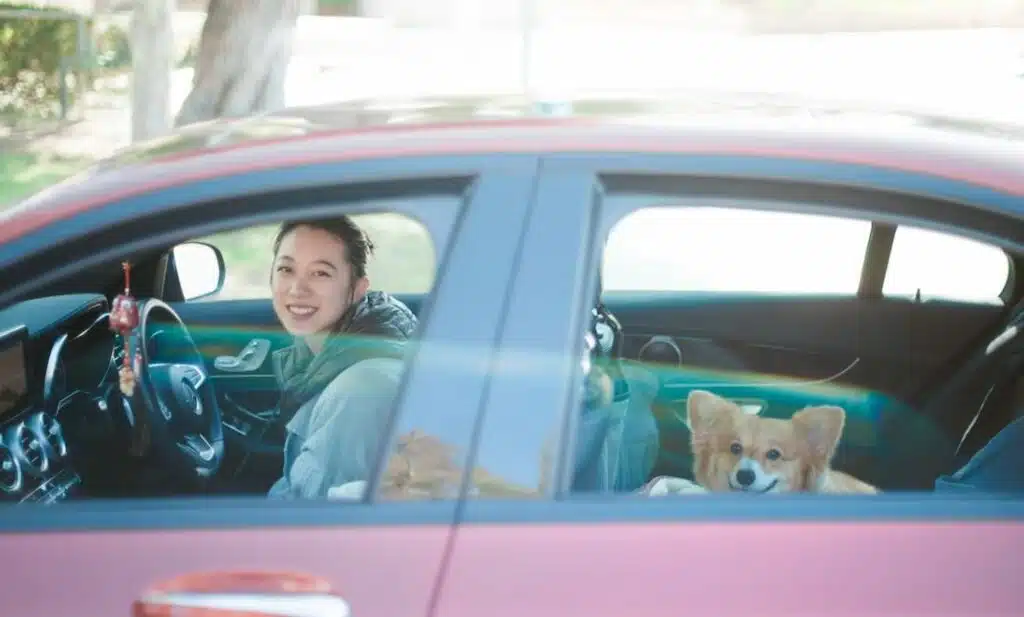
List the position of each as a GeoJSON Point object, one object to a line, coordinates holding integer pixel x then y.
{"type": "Point", "coordinates": [878, 205]}
{"type": "Point", "coordinates": [1004, 295]}
{"type": "Point", "coordinates": [403, 208]}
{"type": "Point", "coordinates": [356, 196]}
{"type": "Point", "coordinates": [703, 203]}
{"type": "Point", "coordinates": [875, 264]}
{"type": "Point", "coordinates": [623, 193]}
{"type": "Point", "coordinates": [888, 209]}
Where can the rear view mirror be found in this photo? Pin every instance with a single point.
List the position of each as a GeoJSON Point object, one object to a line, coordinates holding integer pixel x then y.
{"type": "Point", "coordinates": [200, 269]}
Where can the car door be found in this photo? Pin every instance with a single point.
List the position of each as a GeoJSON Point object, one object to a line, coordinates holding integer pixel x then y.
{"type": "Point", "coordinates": [559, 552]}
{"type": "Point", "coordinates": [250, 555]}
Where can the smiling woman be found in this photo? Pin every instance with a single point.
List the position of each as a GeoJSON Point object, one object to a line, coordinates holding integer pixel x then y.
{"type": "Point", "coordinates": [338, 374]}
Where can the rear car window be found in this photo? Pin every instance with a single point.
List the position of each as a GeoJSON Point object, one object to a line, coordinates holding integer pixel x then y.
{"type": "Point", "coordinates": [680, 249]}
{"type": "Point", "coordinates": [938, 266]}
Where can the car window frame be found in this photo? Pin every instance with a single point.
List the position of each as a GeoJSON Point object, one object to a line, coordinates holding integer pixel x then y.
{"type": "Point", "coordinates": [436, 236]}
{"type": "Point", "coordinates": [675, 178]}
{"type": "Point", "coordinates": [850, 285]}
{"type": "Point", "coordinates": [487, 216]}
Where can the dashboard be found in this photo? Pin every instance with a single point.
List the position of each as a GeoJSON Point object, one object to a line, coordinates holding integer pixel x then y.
{"type": "Point", "coordinates": [57, 358]}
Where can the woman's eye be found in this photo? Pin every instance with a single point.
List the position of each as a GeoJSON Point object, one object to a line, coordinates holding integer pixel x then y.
{"type": "Point", "coordinates": [736, 449]}
{"type": "Point", "coordinates": [773, 455]}
{"type": "Point", "coordinates": [283, 269]}
{"type": "Point", "coordinates": [321, 273]}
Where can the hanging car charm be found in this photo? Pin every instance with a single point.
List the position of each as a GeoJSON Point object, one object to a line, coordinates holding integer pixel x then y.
{"type": "Point", "coordinates": [124, 318]}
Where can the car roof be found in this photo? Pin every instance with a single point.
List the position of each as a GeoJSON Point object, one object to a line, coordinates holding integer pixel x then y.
{"type": "Point", "coordinates": [979, 153]}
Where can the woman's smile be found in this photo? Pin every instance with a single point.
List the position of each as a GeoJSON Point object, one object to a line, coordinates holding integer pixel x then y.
{"type": "Point", "coordinates": [301, 311]}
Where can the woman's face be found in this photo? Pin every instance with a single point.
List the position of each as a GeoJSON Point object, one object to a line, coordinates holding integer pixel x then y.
{"type": "Point", "coordinates": [312, 283]}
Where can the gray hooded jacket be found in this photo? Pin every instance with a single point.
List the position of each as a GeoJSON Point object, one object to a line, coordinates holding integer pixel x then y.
{"type": "Point", "coordinates": [339, 400]}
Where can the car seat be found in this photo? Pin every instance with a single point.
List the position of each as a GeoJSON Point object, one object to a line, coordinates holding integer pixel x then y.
{"type": "Point", "coordinates": [998, 466]}
{"type": "Point", "coordinates": [986, 384]}
{"type": "Point", "coordinates": [617, 439]}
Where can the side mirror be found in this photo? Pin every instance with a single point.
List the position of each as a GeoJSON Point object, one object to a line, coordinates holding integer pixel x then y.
{"type": "Point", "coordinates": [200, 269]}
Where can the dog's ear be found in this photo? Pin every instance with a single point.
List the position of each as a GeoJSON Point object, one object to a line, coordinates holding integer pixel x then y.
{"type": "Point", "coordinates": [820, 428]}
{"type": "Point", "coordinates": [707, 412]}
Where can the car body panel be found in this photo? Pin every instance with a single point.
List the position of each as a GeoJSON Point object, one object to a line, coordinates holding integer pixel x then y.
{"type": "Point", "coordinates": [720, 556]}
{"type": "Point", "coordinates": [549, 554]}
{"type": "Point", "coordinates": [106, 556]}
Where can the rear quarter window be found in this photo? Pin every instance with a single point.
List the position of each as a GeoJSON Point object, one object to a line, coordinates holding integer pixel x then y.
{"type": "Point", "coordinates": [941, 266]}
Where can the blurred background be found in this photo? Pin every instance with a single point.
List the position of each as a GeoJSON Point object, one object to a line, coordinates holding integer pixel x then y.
{"type": "Point", "coordinates": [82, 79]}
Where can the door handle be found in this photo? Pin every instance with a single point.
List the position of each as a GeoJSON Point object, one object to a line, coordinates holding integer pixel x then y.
{"type": "Point", "coordinates": [241, 604]}
{"type": "Point", "coordinates": [750, 406]}
{"type": "Point", "coordinates": [249, 359]}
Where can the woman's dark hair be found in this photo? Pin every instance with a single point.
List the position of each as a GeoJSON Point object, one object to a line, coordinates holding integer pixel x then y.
{"type": "Point", "coordinates": [358, 246]}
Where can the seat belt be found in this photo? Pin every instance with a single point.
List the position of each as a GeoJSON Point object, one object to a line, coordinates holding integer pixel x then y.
{"type": "Point", "coordinates": [1000, 400]}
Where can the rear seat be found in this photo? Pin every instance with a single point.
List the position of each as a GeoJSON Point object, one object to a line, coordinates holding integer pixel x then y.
{"type": "Point", "coordinates": [916, 446]}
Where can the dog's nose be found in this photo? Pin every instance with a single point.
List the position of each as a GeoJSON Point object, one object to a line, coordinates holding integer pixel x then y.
{"type": "Point", "coordinates": [745, 477]}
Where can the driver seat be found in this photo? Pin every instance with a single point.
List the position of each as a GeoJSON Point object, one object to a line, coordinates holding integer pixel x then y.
{"type": "Point", "coordinates": [617, 440]}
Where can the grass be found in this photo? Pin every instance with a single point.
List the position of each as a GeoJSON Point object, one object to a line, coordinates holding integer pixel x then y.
{"type": "Point", "coordinates": [404, 262]}
{"type": "Point", "coordinates": [24, 173]}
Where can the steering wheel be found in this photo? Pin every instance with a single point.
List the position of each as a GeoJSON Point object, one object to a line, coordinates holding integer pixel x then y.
{"type": "Point", "coordinates": [181, 419]}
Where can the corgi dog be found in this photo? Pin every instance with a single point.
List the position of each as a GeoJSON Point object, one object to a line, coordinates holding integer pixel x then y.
{"type": "Point", "coordinates": [736, 451]}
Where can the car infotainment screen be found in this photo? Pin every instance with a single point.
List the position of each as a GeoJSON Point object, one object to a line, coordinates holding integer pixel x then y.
{"type": "Point", "coordinates": [13, 373]}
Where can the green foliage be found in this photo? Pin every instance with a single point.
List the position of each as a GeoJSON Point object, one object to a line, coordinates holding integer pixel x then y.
{"type": "Point", "coordinates": [114, 48]}
{"type": "Point", "coordinates": [188, 58]}
{"type": "Point", "coordinates": [348, 8]}
{"type": "Point", "coordinates": [32, 50]}
{"type": "Point", "coordinates": [25, 173]}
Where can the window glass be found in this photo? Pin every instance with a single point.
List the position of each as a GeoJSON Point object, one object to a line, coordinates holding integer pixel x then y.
{"type": "Point", "coordinates": [945, 267]}
{"type": "Point", "coordinates": [403, 261]}
{"type": "Point", "coordinates": [351, 400]}
{"type": "Point", "coordinates": [309, 426]}
{"type": "Point", "coordinates": [766, 375]}
{"type": "Point", "coordinates": [701, 249]}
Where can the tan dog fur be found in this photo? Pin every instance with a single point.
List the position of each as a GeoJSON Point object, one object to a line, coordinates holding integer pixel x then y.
{"type": "Point", "coordinates": [784, 455]}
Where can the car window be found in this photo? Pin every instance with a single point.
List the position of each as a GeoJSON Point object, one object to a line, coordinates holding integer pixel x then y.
{"type": "Point", "coordinates": [742, 340]}
{"type": "Point", "coordinates": [761, 321]}
{"type": "Point", "coordinates": [401, 262]}
{"type": "Point", "coordinates": [247, 402]}
{"type": "Point", "coordinates": [940, 266]}
{"type": "Point", "coordinates": [404, 260]}
{"type": "Point", "coordinates": [698, 249]}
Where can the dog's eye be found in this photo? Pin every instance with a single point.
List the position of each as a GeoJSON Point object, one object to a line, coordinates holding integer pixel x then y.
{"type": "Point", "coordinates": [736, 449]}
{"type": "Point", "coordinates": [773, 455]}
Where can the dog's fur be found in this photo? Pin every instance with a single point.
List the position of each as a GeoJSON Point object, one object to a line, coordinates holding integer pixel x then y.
{"type": "Point", "coordinates": [737, 451]}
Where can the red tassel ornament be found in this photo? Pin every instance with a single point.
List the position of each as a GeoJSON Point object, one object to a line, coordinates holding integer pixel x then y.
{"type": "Point", "coordinates": [124, 318]}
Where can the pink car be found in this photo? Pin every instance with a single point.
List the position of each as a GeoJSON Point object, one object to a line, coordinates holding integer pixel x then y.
{"type": "Point", "coordinates": [776, 261]}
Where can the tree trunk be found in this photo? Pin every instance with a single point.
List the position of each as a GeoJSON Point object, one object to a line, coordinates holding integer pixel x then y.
{"type": "Point", "coordinates": [242, 60]}
{"type": "Point", "coordinates": [152, 41]}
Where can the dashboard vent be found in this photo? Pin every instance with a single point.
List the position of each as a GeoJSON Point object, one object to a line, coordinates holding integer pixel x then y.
{"type": "Point", "coordinates": [49, 431]}
{"type": "Point", "coordinates": [10, 471]}
{"type": "Point", "coordinates": [32, 449]}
